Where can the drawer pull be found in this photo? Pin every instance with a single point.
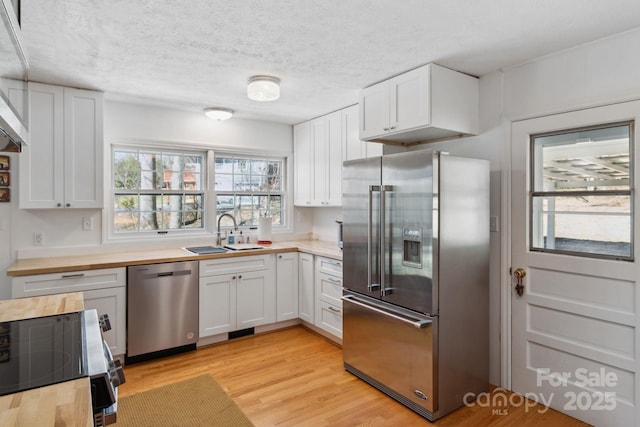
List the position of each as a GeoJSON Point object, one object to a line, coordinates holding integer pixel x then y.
{"type": "Point", "coordinates": [331, 279]}
{"type": "Point", "coordinates": [335, 310]}
{"type": "Point", "coordinates": [68, 276]}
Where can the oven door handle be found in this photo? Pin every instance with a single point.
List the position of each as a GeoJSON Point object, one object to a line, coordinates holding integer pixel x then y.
{"type": "Point", "coordinates": [423, 323]}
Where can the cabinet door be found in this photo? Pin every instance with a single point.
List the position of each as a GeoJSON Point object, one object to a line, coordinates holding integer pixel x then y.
{"type": "Point", "coordinates": [333, 160]}
{"type": "Point", "coordinates": [287, 286]}
{"type": "Point", "coordinates": [305, 285]}
{"type": "Point", "coordinates": [112, 302]}
{"type": "Point", "coordinates": [374, 110]}
{"type": "Point", "coordinates": [409, 100]}
{"type": "Point", "coordinates": [217, 304]}
{"type": "Point", "coordinates": [352, 146]}
{"type": "Point", "coordinates": [255, 298]}
{"type": "Point", "coordinates": [329, 289]}
{"type": "Point", "coordinates": [320, 150]}
{"type": "Point", "coordinates": [303, 166]}
{"type": "Point", "coordinates": [83, 117]}
{"type": "Point", "coordinates": [41, 162]}
{"type": "Point", "coordinates": [329, 318]}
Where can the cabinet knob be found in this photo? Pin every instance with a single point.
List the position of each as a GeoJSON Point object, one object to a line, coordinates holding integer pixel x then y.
{"type": "Point", "coordinates": [68, 205]}
{"type": "Point", "coordinates": [59, 204]}
{"type": "Point", "coordinates": [240, 277]}
{"type": "Point", "coordinates": [233, 278]}
{"type": "Point", "coordinates": [280, 256]}
{"type": "Point", "coordinates": [385, 129]}
{"type": "Point", "coordinates": [392, 128]}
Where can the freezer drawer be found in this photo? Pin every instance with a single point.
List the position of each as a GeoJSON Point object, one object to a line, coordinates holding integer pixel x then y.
{"type": "Point", "coordinates": [392, 351]}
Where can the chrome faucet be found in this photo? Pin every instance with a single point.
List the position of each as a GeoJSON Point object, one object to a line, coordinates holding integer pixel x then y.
{"type": "Point", "coordinates": [219, 233]}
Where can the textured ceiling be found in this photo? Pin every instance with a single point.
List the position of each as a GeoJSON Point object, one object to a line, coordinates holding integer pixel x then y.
{"type": "Point", "coordinates": [196, 54]}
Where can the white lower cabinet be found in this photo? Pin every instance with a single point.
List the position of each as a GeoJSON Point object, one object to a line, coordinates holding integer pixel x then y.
{"type": "Point", "coordinates": [306, 296]}
{"type": "Point", "coordinates": [328, 293]}
{"type": "Point", "coordinates": [104, 290]}
{"type": "Point", "coordinates": [237, 293]}
{"type": "Point", "coordinates": [287, 286]}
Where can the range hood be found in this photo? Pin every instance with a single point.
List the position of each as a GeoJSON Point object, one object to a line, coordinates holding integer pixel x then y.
{"type": "Point", "coordinates": [12, 132]}
{"type": "Point", "coordinates": [14, 65]}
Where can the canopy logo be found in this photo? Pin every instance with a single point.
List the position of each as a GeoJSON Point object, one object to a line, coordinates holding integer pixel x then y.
{"type": "Point", "coordinates": [590, 397]}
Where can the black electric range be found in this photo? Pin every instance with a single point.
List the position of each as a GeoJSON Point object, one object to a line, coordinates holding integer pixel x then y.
{"type": "Point", "coordinates": [41, 351]}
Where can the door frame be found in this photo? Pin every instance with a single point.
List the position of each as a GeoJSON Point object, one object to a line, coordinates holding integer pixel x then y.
{"type": "Point", "coordinates": [506, 242]}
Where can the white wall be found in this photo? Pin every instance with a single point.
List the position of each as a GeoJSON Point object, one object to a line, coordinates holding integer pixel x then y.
{"type": "Point", "coordinates": [597, 73]}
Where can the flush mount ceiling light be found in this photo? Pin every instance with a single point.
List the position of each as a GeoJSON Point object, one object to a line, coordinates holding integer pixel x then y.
{"type": "Point", "coordinates": [217, 113]}
{"type": "Point", "coordinates": [263, 88]}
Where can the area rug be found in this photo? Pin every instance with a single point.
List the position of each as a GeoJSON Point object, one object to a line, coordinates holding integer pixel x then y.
{"type": "Point", "coordinates": [198, 401]}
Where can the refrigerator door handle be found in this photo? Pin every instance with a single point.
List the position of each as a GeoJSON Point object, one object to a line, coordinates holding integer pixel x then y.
{"type": "Point", "coordinates": [422, 323]}
{"type": "Point", "coordinates": [370, 285]}
{"type": "Point", "coordinates": [384, 290]}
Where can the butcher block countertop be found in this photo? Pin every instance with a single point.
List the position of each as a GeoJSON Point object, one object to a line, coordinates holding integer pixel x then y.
{"type": "Point", "coordinates": [29, 266]}
{"type": "Point", "coordinates": [67, 403]}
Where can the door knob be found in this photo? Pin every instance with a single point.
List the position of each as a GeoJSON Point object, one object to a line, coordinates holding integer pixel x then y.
{"type": "Point", "coordinates": [519, 275]}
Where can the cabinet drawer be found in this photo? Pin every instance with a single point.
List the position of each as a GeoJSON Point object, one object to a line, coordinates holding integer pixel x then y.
{"type": "Point", "coordinates": [74, 281]}
{"type": "Point", "coordinates": [330, 288]}
{"type": "Point", "coordinates": [329, 266]}
{"type": "Point", "coordinates": [329, 318]}
{"type": "Point", "coordinates": [236, 264]}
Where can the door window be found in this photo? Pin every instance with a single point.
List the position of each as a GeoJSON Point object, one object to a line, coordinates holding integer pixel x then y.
{"type": "Point", "coordinates": [581, 198]}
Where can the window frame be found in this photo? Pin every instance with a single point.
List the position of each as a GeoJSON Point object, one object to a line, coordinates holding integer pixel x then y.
{"type": "Point", "coordinates": [186, 236]}
{"type": "Point", "coordinates": [285, 210]}
{"type": "Point", "coordinates": [541, 194]}
{"type": "Point", "coordinates": [114, 235]}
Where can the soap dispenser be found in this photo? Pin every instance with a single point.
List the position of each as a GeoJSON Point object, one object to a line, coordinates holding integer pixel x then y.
{"type": "Point", "coordinates": [231, 239]}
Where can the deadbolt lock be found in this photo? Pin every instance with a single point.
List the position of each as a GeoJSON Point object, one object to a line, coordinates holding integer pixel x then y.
{"type": "Point", "coordinates": [519, 275]}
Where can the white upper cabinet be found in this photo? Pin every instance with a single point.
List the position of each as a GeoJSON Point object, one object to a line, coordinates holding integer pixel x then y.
{"type": "Point", "coordinates": [318, 161]}
{"type": "Point", "coordinates": [428, 103]}
{"type": "Point", "coordinates": [62, 167]}
{"type": "Point", "coordinates": [352, 146]}
{"type": "Point", "coordinates": [302, 164]}
{"type": "Point", "coordinates": [320, 147]}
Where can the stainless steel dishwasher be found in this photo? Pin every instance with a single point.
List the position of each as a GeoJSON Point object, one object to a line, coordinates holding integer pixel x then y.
{"type": "Point", "coordinates": [162, 309]}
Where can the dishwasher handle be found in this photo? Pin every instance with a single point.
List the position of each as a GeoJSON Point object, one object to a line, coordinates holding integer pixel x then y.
{"type": "Point", "coordinates": [418, 323]}
{"type": "Point", "coordinates": [168, 274]}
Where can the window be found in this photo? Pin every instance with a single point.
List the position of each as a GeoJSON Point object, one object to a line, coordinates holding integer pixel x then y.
{"type": "Point", "coordinates": [582, 186]}
{"type": "Point", "coordinates": [157, 191]}
{"type": "Point", "coordinates": [249, 187]}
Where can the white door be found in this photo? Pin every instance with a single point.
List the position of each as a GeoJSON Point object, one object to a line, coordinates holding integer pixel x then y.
{"type": "Point", "coordinates": [575, 340]}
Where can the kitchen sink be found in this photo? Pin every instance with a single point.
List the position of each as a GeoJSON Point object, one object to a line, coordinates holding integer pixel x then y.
{"type": "Point", "coordinates": [243, 246]}
{"type": "Point", "coordinates": [205, 250]}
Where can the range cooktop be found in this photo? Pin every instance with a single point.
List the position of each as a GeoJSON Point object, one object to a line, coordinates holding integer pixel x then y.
{"type": "Point", "coordinates": [41, 351]}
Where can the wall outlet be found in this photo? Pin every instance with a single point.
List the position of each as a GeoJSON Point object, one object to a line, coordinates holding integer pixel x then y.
{"type": "Point", "coordinates": [87, 223]}
{"type": "Point", "coordinates": [38, 238]}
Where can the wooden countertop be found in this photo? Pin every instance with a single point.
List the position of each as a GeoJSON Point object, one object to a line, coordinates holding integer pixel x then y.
{"type": "Point", "coordinates": [29, 266]}
{"type": "Point", "coordinates": [26, 308]}
{"type": "Point", "coordinates": [67, 403]}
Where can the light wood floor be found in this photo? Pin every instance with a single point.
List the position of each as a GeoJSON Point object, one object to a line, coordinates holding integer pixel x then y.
{"type": "Point", "coordinates": [294, 377]}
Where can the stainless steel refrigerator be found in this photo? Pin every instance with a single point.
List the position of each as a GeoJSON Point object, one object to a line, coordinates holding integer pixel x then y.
{"type": "Point", "coordinates": [416, 277]}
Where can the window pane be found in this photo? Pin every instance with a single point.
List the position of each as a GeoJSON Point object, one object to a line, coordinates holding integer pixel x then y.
{"type": "Point", "coordinates": [126, 170]}
{"type": "Point", "coordinates": [126, 203]}
{"type": "Point", "coordinates": [594, 159]}
{"type": "Point", "coordinates": [149, 221]}
{"type": "Point", "coordinates": [224, 203]}
{"type": "Point", "coordinates": [123, 222]}
{"type": "Point", "coordinates": [598, 224]}
{"type": "Point", "coordinates": [224, 182]}
{"type": "Point", "coordinates": [245, 209]}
